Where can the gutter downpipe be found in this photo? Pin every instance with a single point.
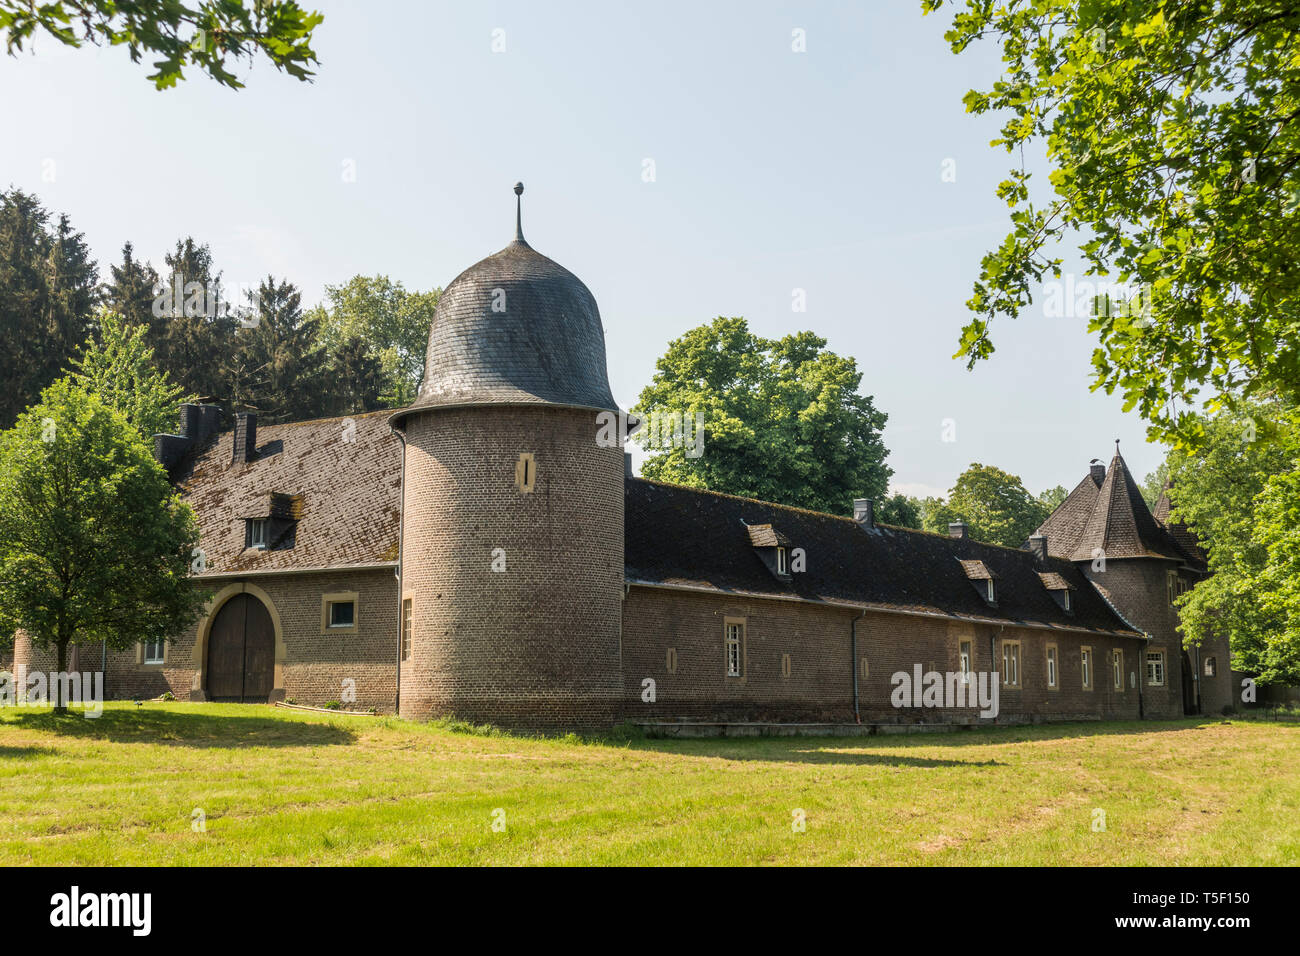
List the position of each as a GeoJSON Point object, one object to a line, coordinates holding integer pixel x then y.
{"type": "Point", "coordinates": [401, 533]}
{"type": "Point", "coordinates": [853, 664]}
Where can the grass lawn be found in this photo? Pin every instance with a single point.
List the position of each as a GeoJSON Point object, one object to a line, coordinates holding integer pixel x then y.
{"type": "Point", "coordinates": [280, 787]}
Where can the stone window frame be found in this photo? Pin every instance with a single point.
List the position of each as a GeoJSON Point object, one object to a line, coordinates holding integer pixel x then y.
{"type": "Point", "coordinates": [742, 626]}
{"type": "Point", "coordinates": [1160, 661]}
{"type": "Point", "coordinates": [406, 624]}
{"type": "Point", "coordinates": [1117, 669]}
{"type": "Point", "coordinates": [339, 597]}
{"type": "Point", "coordinates": [1087, 667]}
{"type": "Point", "coordinates": [1052, 665]}
{"type": "Point", "coordinates": [1014, 644]}
{"type": "Point", "coordinates": [966, 666]}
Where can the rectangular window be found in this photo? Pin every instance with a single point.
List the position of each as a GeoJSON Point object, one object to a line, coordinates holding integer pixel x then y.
{"type": "Point", "coordinates": [256, 533]}
{"type": "Point", "coordinates": [154, 652]}
{"type": "Point", "coordinates": [1117, 668]}
{"type": "Point", "coordinates": [735, 631]}
{"type": "Point", "coordinates": [965, 651]}
{"type": "Point", "coordinates": [1010, 663]}
{"type": "Point", "coordinates": [1066, 599]}
{"type": "Point", "coordinates": [406, 629]}
{"type": "Point", "coordinates": [1156, 668]}
{"type": "Point", "coordinates": [780, 561]}
{"type": "Point", "coordinates": [339, 612]}
{"type": "Point", "coordinates": [1085, 666]}
{"type": "Point", "coordinates": [1211, 666]}
{"type": "Point", "coordinates": [991, 593]}
{"type": "Point", "coordinates": [1051, 667]}
{"type": "Point", "coordinates": [342, 613]}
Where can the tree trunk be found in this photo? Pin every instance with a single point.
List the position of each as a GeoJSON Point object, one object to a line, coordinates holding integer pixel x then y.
{"type": "Point", "coordinates": [60, 705]}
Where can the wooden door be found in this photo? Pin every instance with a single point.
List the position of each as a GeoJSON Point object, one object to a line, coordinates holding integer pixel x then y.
{"type": "Point", "coordinates": [241, 652]}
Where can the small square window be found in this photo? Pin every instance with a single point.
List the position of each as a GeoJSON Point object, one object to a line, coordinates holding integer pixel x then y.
{"type": "Point", "coordinates": [342, 613]}
{"type": "Point", "coordinates": [256, 533]}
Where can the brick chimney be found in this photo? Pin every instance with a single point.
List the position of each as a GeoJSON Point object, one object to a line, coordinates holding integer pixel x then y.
{"type": "Point", "coordinates": [956, 529]}
{"type": "Point", "coordinates": [1098, 472]}
{"type": "Point", "coordinates": [245, 436]}
{"type": "Point", "coordinates": [864, 512]}
{"type": "Point", "coordinates": [1038, 545]}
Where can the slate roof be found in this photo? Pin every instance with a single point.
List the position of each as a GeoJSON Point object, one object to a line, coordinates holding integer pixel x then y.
{"type": "Point", "coordinates": [343, 494]}
{"type": "Point", "coordinates": [544, 344]}
{"type": "Point", "coordinates": [765, 536]}
{"type": "Point", "coordinates": [1112, 517]}
{"type": "Point", "coordinates": [685, 536]}
{"type": "Point", "coordinates": [1185, 536]}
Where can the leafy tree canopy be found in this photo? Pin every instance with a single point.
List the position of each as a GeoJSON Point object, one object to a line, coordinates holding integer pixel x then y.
{"type": "Point", "coordinates": [393, 322]}
{"type": "Point", "coordinates": [95, 543]}
{"type": "Point", "coordinates": [1172, 133]}
{"type": "Point", "coordinates": [120, 369]}
{"type": "Point", "coordinates": [204, 35]}
{"type": "Point", "coordinates": [994, 504]}
{"type": "Point", "coordinates": [782, 419]}
{"type": "Point", "coordinates": [1240, 493]}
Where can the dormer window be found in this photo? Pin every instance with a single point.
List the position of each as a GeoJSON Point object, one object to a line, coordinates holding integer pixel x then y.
{"type": "Point", "coordinates": [979, 574]}
{"type": "Point", "coordinates": [255, 533]}
{"type": "Point", "coordinates": [1060, 590]}
{"type": "Point", "coordinates": [773, 549]}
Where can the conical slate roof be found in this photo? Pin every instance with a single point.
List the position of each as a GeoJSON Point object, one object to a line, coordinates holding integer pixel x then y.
{"type": "Point", "coordinates": [1112, 518]}
{"type": "Point", "coordinates": [1184, 535]}
{"type": "Point", "coordinates": [515, 328]}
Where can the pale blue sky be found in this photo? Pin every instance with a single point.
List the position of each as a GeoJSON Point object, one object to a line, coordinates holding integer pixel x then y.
{"type": "Point", "coordinates": [775, 170]}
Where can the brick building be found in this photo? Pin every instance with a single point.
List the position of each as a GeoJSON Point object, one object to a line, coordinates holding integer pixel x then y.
{"type": "Point", "coordinates": [483, 553]}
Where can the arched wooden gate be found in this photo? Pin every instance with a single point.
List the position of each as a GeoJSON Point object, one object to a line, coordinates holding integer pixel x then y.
{"type": "Point", "coordinates": [241, 652]}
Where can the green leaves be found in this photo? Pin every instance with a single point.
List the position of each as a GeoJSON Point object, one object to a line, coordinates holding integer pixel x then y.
{"type": "Point", "coordinates": [95, 544]}
{"type": "Point", "coordinates": [1173, 132]}
{"type": "Point", "coordinates": [783, 420]}
{"type": "Point", "coordinates": [994, 504]}
{"type": "Point", "coordinates": [206, 35]}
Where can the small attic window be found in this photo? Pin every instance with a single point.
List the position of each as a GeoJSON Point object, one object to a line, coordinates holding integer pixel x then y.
{"type": "Point", "coordinates": [782, 566]}
{"type": "Point", "coordinates": [255, 533]}
{"type": "Point", "coordinates": [1059, 588]}
{"type": "Point", "coordinates": [979, 574]}
{"type": "Point", "coordinates": [991, 595]}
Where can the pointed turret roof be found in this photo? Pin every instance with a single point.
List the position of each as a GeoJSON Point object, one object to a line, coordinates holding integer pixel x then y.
{"type": "Point", "coordinates": [1184, 535]}
{"type": "Point", "coordinates": [1110, 515]}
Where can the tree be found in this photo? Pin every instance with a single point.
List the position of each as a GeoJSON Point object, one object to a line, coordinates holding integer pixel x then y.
{"type": "Point", "coordinates": [782, 419]}
{"type": "Point", "coordinates": [1051, 499]}
{"type": "Point", "coordinates": [1238, 491]}
{"type": "Point", "coordinates": [47, 292]}
{"type": "Point", "coordinates": [132, 292]}
{"type": "Point", "coordinates": [1154, 483]}
{"type": "Point", "coordinates": [393, 322]}
{"type": "Point", "coordinates": [901, 511]}
{"type": "Point", "coordinates": [95, 543]}
{"type": "Point", "coordinates": [1175, 152]}
{"type": "Point", "coordinates": [278, 363]}
{"type": "Point", "coordinates": [193, 333]}
{"type": "Point", "coordinates": [119, 368]}
{"type": "Point", "coordinates": [204, 35]}
{"type": "Point", "coordinates": [995, 506]}
{"type": "Point", "coordinates": [355, 379]}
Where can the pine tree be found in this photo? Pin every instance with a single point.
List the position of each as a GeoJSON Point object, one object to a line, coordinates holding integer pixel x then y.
{"type": "Point", "coordinates": [132, 292]}
{"type": "Point", "coordinates": [197, 330]}
{"type": "Point", "coordinates": [277, 366]}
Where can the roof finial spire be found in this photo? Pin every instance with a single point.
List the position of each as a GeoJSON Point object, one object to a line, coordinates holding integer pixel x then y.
{"type": "Point", "coordinates": [519, 216]}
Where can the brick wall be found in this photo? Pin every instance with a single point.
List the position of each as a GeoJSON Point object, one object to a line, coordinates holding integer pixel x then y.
{"type": "Point", "coordinates": [311, 665]}
{"type": "Point", "coordinates": [818, 685]}
{"type": "Point", "coordinates": [538, 642]}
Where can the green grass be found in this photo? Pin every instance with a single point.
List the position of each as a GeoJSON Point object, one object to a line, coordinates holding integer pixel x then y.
{"type": "Point", "coordinates": [282, 787]}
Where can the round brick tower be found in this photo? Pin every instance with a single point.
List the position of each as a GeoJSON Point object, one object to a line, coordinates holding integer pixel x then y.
{"type": "Point", "coordinates": [512, 527]}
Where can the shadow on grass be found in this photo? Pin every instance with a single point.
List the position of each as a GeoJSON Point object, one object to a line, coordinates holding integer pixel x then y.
{"type": "Point", "coordinates": [15, 753]}
{"type": "Point", "coordinates": [185, 729]}
{"type": "Point", "coordinates": [848, 750]}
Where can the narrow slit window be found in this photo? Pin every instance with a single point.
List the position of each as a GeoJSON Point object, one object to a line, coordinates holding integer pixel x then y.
{"type": "Point", "coordinates": [406, 629]}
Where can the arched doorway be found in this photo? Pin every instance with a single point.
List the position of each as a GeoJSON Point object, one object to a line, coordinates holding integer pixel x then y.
{"type": "Point", "coordinates": [241, 652]}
